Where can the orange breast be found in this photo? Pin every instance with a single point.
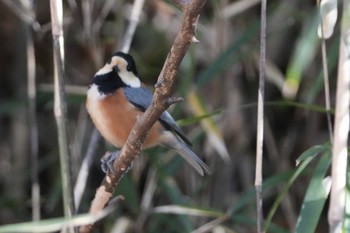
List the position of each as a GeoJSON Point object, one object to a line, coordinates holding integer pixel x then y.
{"type": "Point", "coordinates": [114, 117]}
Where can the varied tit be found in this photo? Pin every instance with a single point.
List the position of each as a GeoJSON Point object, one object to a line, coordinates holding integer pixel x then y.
{"type": "Point", "coordinates": [117, 97]}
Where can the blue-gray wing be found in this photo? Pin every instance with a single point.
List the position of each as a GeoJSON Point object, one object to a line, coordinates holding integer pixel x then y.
{"type": "Point", "coordinates": [141, 98]}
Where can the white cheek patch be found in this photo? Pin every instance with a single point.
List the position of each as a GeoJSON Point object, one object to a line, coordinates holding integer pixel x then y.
{"type": "Point", "coordinates": [104, 70]}
{"type": "Point", "coordinates": [129, 78]}
{"type": "Point", "coordinates": [94, 94]}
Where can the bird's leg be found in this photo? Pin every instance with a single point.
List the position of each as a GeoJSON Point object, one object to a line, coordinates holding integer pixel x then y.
{"type": "Point", "coordinates": [108, 159]}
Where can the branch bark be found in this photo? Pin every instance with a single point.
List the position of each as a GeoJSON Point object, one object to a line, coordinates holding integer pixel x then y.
{"type": "Point", "coordinates": [160, 103]}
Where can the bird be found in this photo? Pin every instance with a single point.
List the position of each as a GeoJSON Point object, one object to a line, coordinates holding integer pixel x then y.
{"type": "Point", "coordinates": [117, 97]}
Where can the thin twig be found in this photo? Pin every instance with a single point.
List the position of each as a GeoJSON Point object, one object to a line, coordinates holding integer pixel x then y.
{"type": "Point", "coordinates": [25, 15]}
{"type": "Point", "coordinates": [80, 183]}
{"type": "Point", "coordinates": [147, 199]}
{"type": "Point", "coordinates": [77, 143]}
{"type": "Point", "coordinates": [159, 103]}
{"type": "Point", "coordinates": [326, 89]}
{"type": "Point", "coordinates": [31, 92]}
{"type": "Point", "coordinates": [60, 107]}
{"type": "Point", "coordinates": [102, 16]}
{"type": "Point", "coordinates": [133, 21]}
{"type": "Point", "coordinates": [260, 120]}
{"type": "Point", "coordinates": [87, 17]}
{"type": "Point", "coordinates": [326, 82]}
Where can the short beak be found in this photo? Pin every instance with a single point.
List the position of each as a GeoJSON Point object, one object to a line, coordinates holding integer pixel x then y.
{"type": "Point", "coordinates": [116, 69]}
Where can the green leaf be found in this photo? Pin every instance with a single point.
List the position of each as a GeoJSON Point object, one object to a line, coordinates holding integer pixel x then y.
{"type": "Point", "coordinates": [305, 159]}
{"type": "Point", "coordinates": [315, 197]}
{"type": "Point", "coordinates": [316, 88]}
{"type": "Point", "coordinates": [196, 119]}
{"type": "Point", "coordinates": [313, 151]}
{"type": "Point", "coordinates": [305, 51]}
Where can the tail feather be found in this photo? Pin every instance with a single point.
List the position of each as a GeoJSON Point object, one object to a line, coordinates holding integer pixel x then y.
{"type": "Point", "coordinates": [193, 160]}
{"type": "Point", "coordinates": [182, 149]}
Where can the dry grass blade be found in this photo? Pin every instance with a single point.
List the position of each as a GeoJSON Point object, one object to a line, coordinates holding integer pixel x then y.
{"type": "Point", "coordinates": [211, 225]}
{"type": "Point", "coordinates": [60, 107]}
{"type": "Point", "coordinates": [56, 224]}
{"type": "Point", "coordinates": [329, 14]}
{"type": "Point", "coordinates": [176, 209]}
{"type": "Point", "coordinates": [31, 93]}
{"type": "Point", "coordinates": [147, 198]}
{"type": "Point", "coordinates": [260, 120]}
{"type": "Point", "coordinates": [82, 177]}
{"type": "Point", "coordinates": [215, 137]}
{"type": "Point", "coordinates": [325, 30]}
{"type": "Point", "coordinates": [341, 129]}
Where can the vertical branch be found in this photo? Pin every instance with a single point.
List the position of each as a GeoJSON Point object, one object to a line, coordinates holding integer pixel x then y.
{"type": "Point", "coordinates": [260, 119]}
{"type": "Point", "coordinates": [60, 106]}
{"type": "Point", "coordinates": [134, 20]}
{"type": "Point", "coordinates": [341, 128]}
{"type": "Point", "coordinates": [31, 92]}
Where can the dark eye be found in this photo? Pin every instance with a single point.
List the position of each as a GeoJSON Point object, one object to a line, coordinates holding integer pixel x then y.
{"type": "Point", "coordinates": [128, 67]}
{"type": "Point", "coordinates": [116, 68]}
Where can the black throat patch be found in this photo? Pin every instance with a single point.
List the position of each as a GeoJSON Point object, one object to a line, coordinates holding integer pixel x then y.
{"type": "Point", "coordinates": [108, 83]}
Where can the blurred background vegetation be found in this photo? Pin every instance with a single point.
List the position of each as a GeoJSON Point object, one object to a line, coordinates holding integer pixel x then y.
{"type": "Point", "coordinates": [218, 77]}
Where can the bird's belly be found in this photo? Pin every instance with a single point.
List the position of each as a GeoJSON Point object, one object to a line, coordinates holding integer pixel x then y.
{"type": "Point", "coordinates": [115, 119]}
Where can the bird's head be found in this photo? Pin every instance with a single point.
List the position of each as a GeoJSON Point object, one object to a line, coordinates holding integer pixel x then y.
{"type": "Point", "coordinates": [123, 65]}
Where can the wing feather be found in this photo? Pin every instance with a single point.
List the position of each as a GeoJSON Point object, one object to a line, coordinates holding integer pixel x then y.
{"type": "Point", "coordinates": [141, 98]}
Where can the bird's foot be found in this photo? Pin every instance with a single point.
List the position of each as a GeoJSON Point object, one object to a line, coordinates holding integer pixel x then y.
{"type": "Point", "coordinates": [107, 161]}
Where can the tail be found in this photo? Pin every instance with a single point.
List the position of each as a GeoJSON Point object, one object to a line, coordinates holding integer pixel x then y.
{"type": "Point", "coordinates": [169, 140]}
